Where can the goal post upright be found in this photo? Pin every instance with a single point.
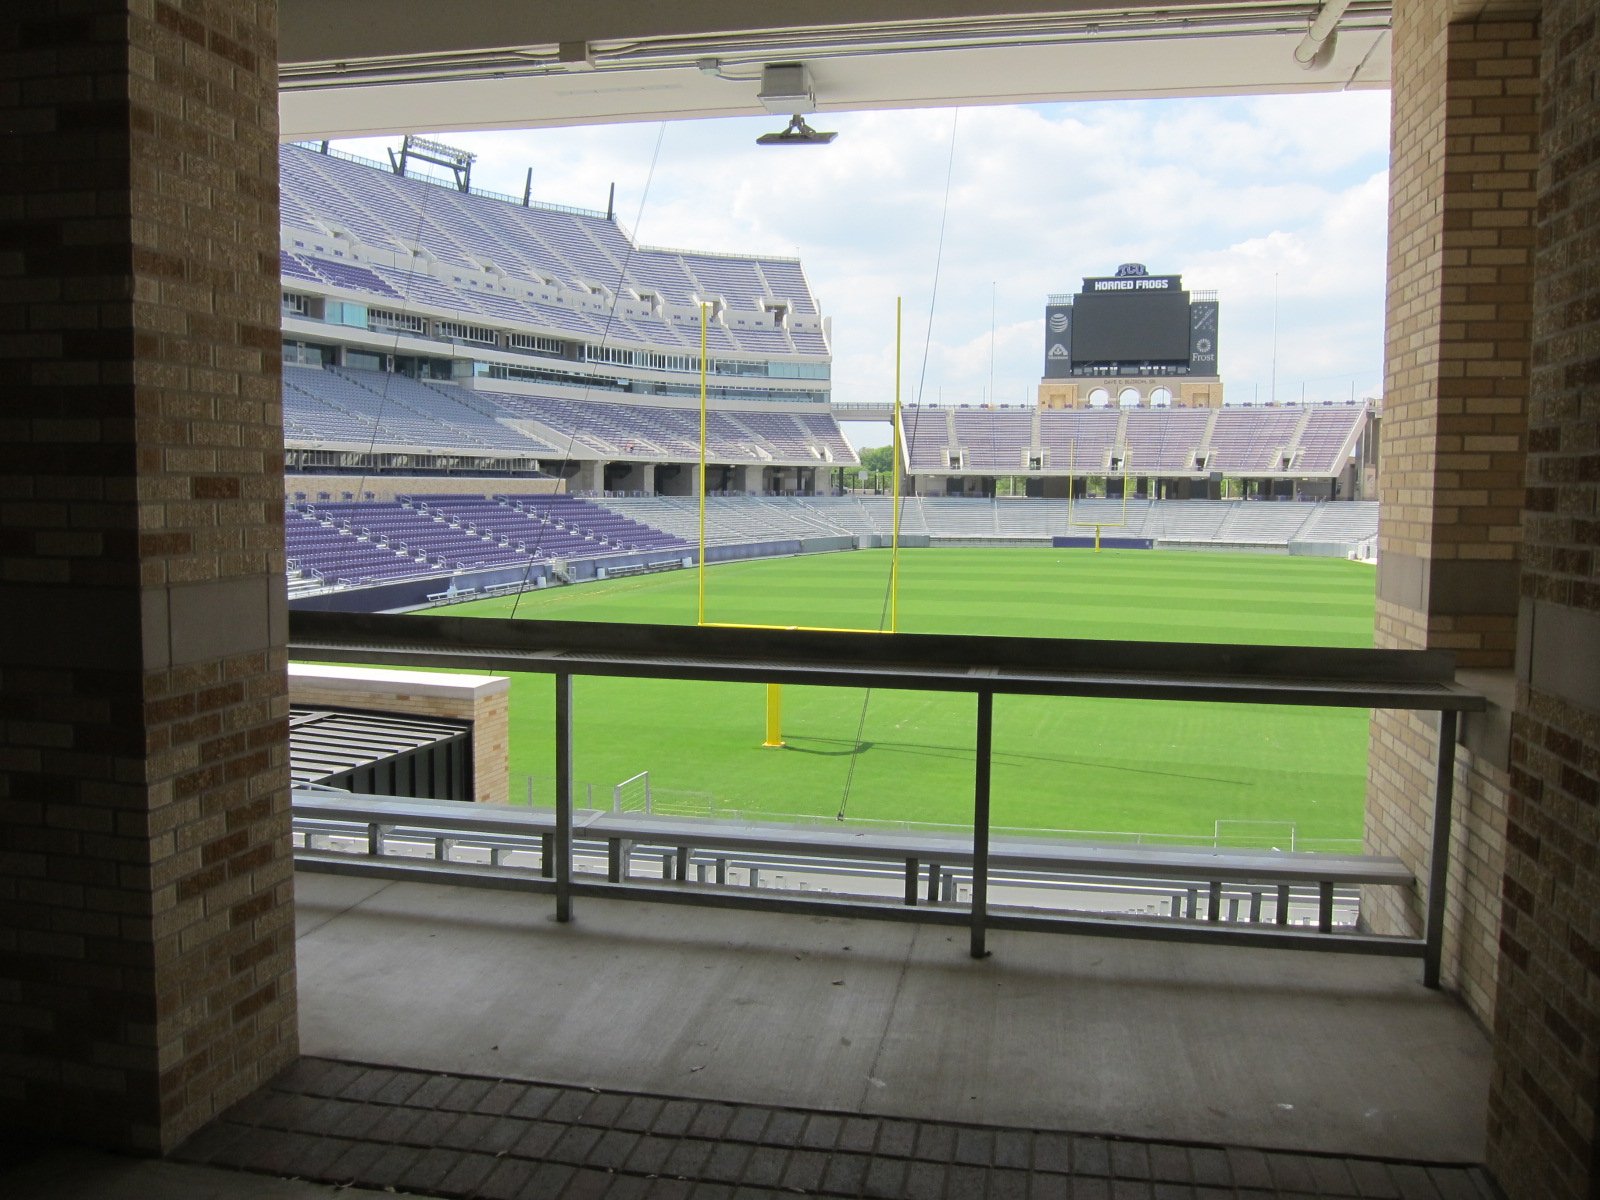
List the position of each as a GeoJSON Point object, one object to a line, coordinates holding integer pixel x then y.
{"type": "Point", "coordinates": [774, 691]}
{"type": "Point", "coordinates": [1072, 462]}
{"type": "Point", "coordinates": [701, 562]}
{"type": "Point", "coordinates": [894, 537]}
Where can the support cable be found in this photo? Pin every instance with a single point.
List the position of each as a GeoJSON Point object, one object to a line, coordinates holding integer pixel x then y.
{"type": "Point", "coordinates": [898, 501]}
{"type": "Point", "coordinates": [605, 334]}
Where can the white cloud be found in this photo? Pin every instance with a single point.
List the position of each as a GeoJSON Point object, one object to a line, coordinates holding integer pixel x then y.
{"type": "Point", "coordinates": [1276, 203]}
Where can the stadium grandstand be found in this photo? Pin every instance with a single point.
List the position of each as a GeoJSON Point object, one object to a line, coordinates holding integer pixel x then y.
{"type": "Point", "coordinates": [429, 329]}
{"type": "Point", "coordinates": [1304, 452]}
{"type": "Point", "coordinates": [505, 393]}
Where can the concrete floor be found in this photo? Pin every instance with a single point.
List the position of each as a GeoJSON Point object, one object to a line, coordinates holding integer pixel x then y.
{"type": "Point", "coordinates": [1313, 1052]}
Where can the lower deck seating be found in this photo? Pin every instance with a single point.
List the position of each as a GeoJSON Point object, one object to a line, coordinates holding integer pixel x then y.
{"type": "Point", "coordinates": [358, 542]}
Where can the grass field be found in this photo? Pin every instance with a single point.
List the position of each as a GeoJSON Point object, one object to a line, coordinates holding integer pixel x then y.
{"type": "Point", "coordinates": [1163, 769]}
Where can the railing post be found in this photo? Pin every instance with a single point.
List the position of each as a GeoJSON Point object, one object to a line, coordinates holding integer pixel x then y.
{"type": "Point", "coordinates": [563, 846]}
{"type": "Point", "coordinates": [1439, 862]}
{"type": "Point", "coordinates": [980, 825]}
{"type": "Point", "coordinates": [912, 872]}
{"type": "Point", "coordinates": [616, 860]}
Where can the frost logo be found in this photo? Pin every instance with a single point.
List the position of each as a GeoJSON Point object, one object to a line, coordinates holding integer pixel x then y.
{"type": "Point", "coordinates": [1203, 346]}
{"type": "Point", "coordinates": [1058, 323]}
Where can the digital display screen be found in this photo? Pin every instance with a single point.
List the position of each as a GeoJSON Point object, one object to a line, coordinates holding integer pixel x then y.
{"type": "Point", "coordinates": [1130, 327]}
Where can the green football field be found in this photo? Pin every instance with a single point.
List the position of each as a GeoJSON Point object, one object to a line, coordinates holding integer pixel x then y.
{"type": "Point", "coordinates": [1249, 773]}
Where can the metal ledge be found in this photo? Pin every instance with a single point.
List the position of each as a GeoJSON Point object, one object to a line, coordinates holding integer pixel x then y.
{"type": "Point", "coordinates": [1316, 676]}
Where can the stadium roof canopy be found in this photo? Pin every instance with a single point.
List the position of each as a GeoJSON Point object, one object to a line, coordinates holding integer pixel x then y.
{"type": "Point", "coordinates": [353, 67]}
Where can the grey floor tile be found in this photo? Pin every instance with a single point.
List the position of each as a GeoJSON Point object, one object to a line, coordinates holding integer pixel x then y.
{"type": "Point", "coordinates": [487, 1139]}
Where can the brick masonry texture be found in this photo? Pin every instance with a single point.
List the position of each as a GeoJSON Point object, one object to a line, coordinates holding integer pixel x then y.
{"type": "Point", "coordinates": [1461, 216]}
{"type": "Point", "coordinates": [1464, 153]}
{"type": "Point", "coordinates": [1544, 1130]}
{"type": "Point", "coordinates": [502, 1139]}
{"type": "Point", "coordinates": [146, 950]}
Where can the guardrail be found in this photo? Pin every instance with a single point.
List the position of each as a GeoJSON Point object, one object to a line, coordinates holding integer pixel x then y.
{"type": "Point", "coordinates": [982, 667]}
{"type": "Point", "coordinates": [708, 848]}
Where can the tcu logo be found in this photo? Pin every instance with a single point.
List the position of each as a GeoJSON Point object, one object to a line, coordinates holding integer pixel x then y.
{"type": "Point", "coordinates": [1131, 271]}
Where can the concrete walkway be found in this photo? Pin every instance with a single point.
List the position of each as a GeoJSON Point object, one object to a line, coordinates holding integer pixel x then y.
{"type": "Point", "coordinates": [1325, 1053]}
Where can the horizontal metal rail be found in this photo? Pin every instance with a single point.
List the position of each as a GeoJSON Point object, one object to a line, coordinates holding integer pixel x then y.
{"type": "Point", "coordinates": [980, 666]}
{"type": "Point", "coordinates": [377, 824]}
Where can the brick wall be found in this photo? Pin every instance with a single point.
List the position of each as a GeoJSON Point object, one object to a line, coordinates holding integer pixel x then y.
{"type": "Point", "coordinates": [146, 947]}
{"type": "Point", "coordinates": [1464, 153]}
{"type": "Point", "coordinates": [1544, 1131]}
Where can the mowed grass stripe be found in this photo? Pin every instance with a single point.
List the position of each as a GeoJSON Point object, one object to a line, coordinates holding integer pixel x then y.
{"type": "Point", "coordinates": [1060, 763]}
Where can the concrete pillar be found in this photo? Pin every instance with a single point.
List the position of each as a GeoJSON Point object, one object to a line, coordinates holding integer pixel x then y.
{"type": "Point", "coordinates": [647, 478]}
{"type": "Point", "coordinates": [1465, 137]}
{"type": "Point", "coordinates": [1544, 1130]}
{"type": "Point", "coordinates": [146, 952]}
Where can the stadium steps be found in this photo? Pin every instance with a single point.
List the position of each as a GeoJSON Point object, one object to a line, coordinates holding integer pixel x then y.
{"type": "Point", "coordinates": [467, 439]}
{"type": "Point", "coordinates": [797, 519]}
{"type": "Point", "coordinates": [377, 428]}
{"type": "Point", "coordinates": [1204, 448]}
{"type": "Point", "coordinates": [1292, 450]}
{"type": "Point", "coordinates": [835, 526]}
{"type": "Point", "coordinates": [1260, 523]}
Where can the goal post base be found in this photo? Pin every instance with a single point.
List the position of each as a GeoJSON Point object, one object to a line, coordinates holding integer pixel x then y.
{"type": "Point", "coordinates": [774, 717]}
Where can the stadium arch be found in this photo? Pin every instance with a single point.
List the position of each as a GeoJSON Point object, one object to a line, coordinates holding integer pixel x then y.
{"type": "Point", "coordinates": [144, 794]}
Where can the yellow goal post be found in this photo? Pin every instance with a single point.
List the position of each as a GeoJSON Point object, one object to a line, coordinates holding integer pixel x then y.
{"type": "Point", "coordinates": [1096, 525]}
{"type": "Point", "coordinates": [774, 707]}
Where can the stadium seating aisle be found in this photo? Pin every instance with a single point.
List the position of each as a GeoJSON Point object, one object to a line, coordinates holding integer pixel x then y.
{"type": "Point", "coordinates": [347, 407]}
{"type": "Point", "coordinates": [360, 542]}
{"type": "Point", "coordinates": [367, 541]}
{"type": "Point", "coordinates": [555, 255]}
{"type": "Point", "coordinates": [1239, 441]}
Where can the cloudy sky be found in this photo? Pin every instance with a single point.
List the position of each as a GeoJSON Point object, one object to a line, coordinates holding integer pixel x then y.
{"type": "Point", "coordinates": [1276, 203]}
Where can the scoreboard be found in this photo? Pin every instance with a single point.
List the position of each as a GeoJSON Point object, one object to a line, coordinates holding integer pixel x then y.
{"type": "Point", "coordinates": [1131, 323]}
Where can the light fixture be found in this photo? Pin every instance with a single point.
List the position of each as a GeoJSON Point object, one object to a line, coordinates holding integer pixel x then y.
{"type": "Point", "coordinates": [786, 88]}
{"type": "Point", "coordinates": [798, 133]}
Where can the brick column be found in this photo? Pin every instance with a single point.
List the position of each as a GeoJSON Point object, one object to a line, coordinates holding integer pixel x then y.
{"type": "Point", "coordinates": [1544, 1130]}
{"type": "Point", "coordinates": [1461, 208]}
{"type": "Point", "coordinates": [146, 920]}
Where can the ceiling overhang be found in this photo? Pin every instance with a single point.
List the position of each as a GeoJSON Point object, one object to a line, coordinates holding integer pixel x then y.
{"type": "Point", "coordinates": [354, 67]}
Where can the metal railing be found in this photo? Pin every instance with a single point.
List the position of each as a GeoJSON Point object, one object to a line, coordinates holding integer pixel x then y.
{"type": "Point", "coordinates": [341, 832]}
{"type": "Point", "coordinates": [979, 666]}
